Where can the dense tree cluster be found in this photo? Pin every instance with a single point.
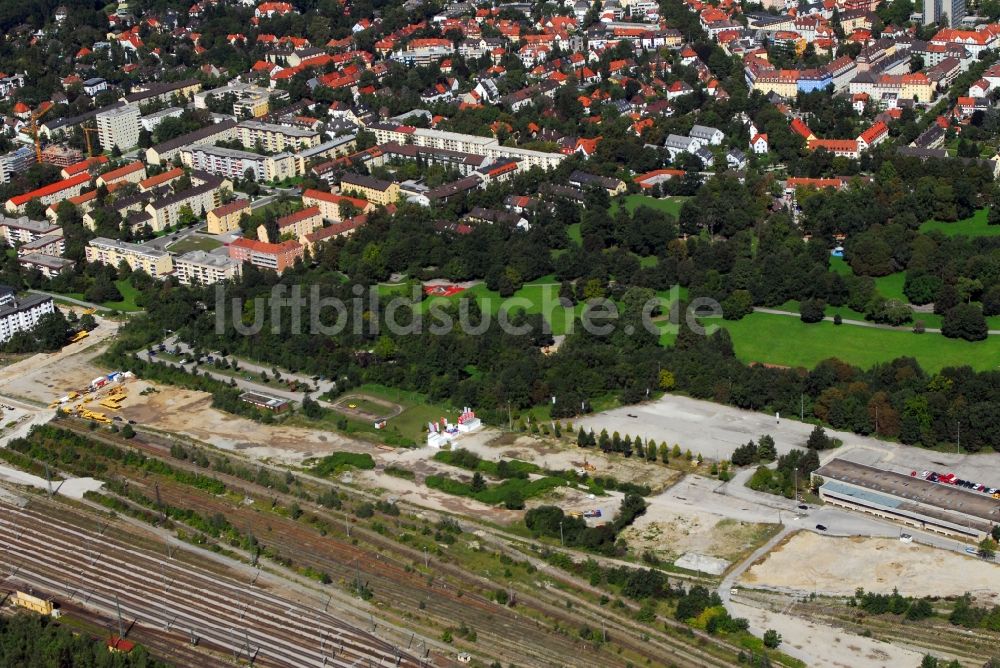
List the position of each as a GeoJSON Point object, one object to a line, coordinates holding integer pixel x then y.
{"type": "Point", "coordinates": [32, 640]}
{"type": "Point", "coordinates": [573, 531]}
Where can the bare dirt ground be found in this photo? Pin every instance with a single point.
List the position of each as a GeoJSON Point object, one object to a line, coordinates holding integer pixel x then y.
{"type": "Point", "coordinates": [837, 566]}
{"type": "Point", "coordinates": [671, 535]}
{"type": "Point", "coordinates": [191, 414]}
{"type": "Point", "coordinates": [48, 376]}
{"type": "Point", "coordinates": [417, 493]}
{"type": "Point", "coordinates": [363, 405]}
{"type": "Point", "coordinates": [828, 646]}
{"type": "Point", "coordinates": [493, 445]}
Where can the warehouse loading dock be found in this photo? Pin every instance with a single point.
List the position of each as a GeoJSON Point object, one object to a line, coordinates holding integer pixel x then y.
{"type": "Point", "coordinates": [944, 509]}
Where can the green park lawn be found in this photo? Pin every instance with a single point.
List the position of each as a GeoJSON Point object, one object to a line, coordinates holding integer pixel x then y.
{"type": "Point", "coordinates": [891, 286]}
{"type": "Point", "coordinates": [778, 339]}
{"type": "Point", "coordinates": [193, 243]}
{"type": "Point", "coordinates": [128, 302]}
{"type": "Point", "coordinates": [129, 295]}
{"type": "Point", "coordinates": [671, 205]}
{"type": "Point", "coordinates": [838, 265]}
{"type": "Point", "coordinates": [574, 234]}
{"type": "Point", "coordinates": [540, 296]}
{"type": "Point", "coordinates": [418, 410]}
{"type": "Point", "coordinates": [974, 226]}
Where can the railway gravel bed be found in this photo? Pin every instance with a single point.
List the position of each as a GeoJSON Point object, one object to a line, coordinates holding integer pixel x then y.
{"type": "Point", "coordinates": [407, 596]}
{"type": "Point", "coordinates": [101, 572]}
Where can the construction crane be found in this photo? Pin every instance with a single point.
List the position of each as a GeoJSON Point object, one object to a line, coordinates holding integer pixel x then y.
{"type": "Point", "coordinates": [86, 135]}
{"type": "Point", "coordinates": [33, 122]}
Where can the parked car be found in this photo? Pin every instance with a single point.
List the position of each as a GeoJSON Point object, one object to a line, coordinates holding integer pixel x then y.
{"type": "Point", "coordinates": [803, 506]}
{"type": "Point", "coordinates": [821, 527]}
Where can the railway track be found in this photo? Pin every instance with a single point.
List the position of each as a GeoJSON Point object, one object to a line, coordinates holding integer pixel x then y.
{"type": "Point", "coordinates": [170, 647]}
{"type": "Point", "coordinates": [100, 572]}
{"type": "Point", "coordinates": [404, 589]}
{"type": "Point", "coordinates": [444, 604]}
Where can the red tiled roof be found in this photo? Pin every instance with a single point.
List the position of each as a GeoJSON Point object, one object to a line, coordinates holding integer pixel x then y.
{"type": "Point", "coordinates": [805, 182]}
{"type": "Point", "coordinates": [153, 181]}
{"type": "Point", "coordinates": [298, 216]}
{"type": "Point", "coordinates": [122, 171]}
{"type": "Point", "coordinates": [51, 189]}
{"type": "Point", "coordinates": [334, 199]}
{"type": "Point", "coordinates": [84, 165]}
{"type": "Point", "coordinates": [264, 247]}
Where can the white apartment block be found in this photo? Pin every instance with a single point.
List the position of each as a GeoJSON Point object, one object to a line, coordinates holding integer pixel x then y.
{"type": "Point", "coordinates": [203, 198]}
{"type": "Point", "coordinates": [23, 230]}
{"type": "Point", "coordinates": [201, 268]}
{"type": "Point", "coordinates": [233, 164]}
{"type": "Point", "coordinates": [113, 252]}
{"type": "Point", "coordinates": [15, 162]}
{"type": "Point", "coordinates": [275, 138]}
{"type": "Point", "coordinates": [21, 315]}
{"type": "Point", "coordinates": [153, 120]}
{"type": "Point", "coordinates": [119, 127]}
{"type": "Point", "coordinates": [463, 143]}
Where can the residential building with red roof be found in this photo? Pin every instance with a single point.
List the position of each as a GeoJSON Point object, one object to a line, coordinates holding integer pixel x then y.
{"type": "Point", "coordinates": [330, 204]}
{"type": "Point", "coordinates": [131, 173]}
{"type": "Point", "coordinates": [846, 148]}
{"type": "Point", "coordinates": [87, 165]}
{"type": "Point", "coordinates": [160, 179]}
{"type": "Point", "coordinates": [873, 136]}
{"type": "Point", "coordinates": [226, 218]}
{"type": "Point", "coordinates": [52, 193]}
{"type": "Point", "coordinates": [277, 257]}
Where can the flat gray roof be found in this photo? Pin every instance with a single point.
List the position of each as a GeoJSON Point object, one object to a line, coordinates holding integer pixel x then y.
{"type": "Point", "coordinates": [286, 130]}
{"type": "Point", "coordinates": [912, 489]}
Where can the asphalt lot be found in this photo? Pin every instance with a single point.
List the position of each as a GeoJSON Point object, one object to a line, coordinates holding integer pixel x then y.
{"type": "Point", "coordinates": [715, 431]}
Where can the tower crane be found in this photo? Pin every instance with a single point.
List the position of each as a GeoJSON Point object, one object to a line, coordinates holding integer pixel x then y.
{"type": "Point", "coordinates": [33, 124]}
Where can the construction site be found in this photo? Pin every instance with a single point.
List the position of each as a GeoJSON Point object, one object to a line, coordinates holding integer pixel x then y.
{"type": "Point", "coordinates": [107, 392]}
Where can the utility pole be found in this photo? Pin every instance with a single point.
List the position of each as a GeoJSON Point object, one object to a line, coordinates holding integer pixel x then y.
{"type": "Point", "coordinates": [958, 449]}
{"type": "Point", "coordinates": [561, 540]}
{"type": "Point", "coordinates": [802, 408]}
{"type": "Point", "coordinates": [121, 630]}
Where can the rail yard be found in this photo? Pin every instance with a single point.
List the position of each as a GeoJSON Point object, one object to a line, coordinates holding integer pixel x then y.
{"type": "Point", "coordinates": [408, 596]}
{"type": "Point", "coordinates": [97, 571]}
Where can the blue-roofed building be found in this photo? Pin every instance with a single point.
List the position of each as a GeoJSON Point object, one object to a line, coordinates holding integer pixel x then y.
{"type": "Point", "coordinates": [813, 80]}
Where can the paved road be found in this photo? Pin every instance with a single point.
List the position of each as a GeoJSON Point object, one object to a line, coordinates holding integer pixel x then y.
{"type": "Point", "coordinates": [161, 243]}
{"type": "Point", "coordinates": [263, 201]}
{"type": "Point", "coordinates": [864, 323]}
{"type": "Point", "coordinates": [324, 386]}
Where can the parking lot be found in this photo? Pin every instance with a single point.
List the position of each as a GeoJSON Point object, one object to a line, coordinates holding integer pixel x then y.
{"type": "Point", "coordinates": [715, 431]}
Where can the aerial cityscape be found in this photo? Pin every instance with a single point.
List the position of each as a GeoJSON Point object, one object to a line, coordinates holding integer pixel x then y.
{"type": "Point", "coordinates": [510, 334]}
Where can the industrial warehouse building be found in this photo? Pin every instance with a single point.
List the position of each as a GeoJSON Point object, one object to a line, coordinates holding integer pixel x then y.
{"type": "Point", "coordinates": [937, 507]}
